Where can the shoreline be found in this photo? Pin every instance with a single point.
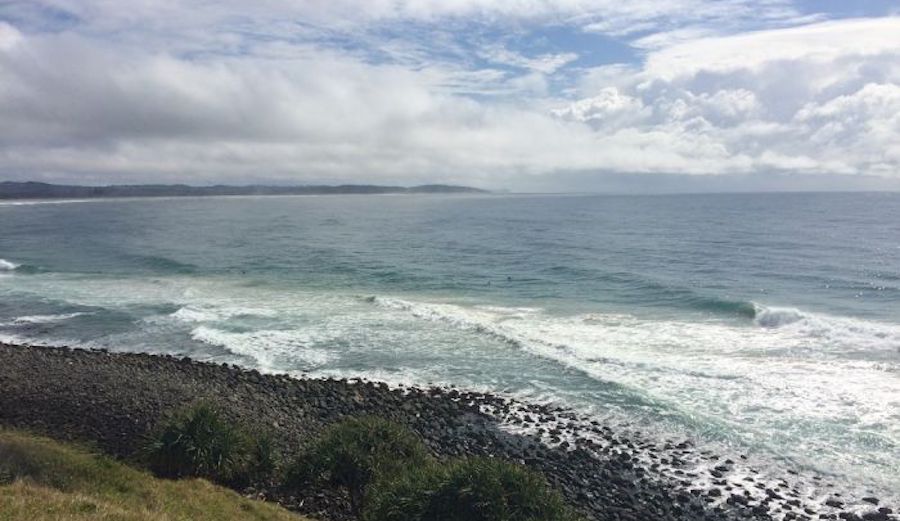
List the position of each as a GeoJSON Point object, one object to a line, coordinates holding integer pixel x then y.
{"type": "Point", "coordinates": [112, 400]}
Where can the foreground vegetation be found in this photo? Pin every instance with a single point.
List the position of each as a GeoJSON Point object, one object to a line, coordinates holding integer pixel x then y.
{"type": "Point", "coordinates": [42, 480]}
{"type": "Point", "coordinates": [200, 442]}
{"type": "Point", "coordinates": [383, 469]}
{"type": "Point", "coordinates": [468, 489]}
{"type": "Point", "coordinates": [389, 476]}
{"type": "Point", "coordinates": [354, 454]}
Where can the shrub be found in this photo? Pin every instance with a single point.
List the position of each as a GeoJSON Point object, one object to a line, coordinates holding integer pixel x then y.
{"type": "Point", "coordinates": [354, 453]}
{"type": "Point", "coordinates": [473, 489]}
{"type": "Point", "coordinates": [263, 457]}
{"type": "Point", "coordinates": [200, 442]}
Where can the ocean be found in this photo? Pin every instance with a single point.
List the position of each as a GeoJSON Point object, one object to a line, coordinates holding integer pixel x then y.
{"type": "Point", "coordinates": [760, 324]}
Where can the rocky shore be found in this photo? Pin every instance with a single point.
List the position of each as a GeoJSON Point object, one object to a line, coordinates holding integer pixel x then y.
{"type": "Point", "coordinates": [113, 400]}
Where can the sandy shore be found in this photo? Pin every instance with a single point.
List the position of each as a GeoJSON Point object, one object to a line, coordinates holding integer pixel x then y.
{"type": "Point", "coordinates": [112, 400]}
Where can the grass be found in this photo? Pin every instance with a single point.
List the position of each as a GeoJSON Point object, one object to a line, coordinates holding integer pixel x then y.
{"type": "Point", "coordinates": [43, 480]}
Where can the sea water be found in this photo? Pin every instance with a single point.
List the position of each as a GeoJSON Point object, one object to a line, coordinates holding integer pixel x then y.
{"type": "Point", "coordinates": [767, 324]}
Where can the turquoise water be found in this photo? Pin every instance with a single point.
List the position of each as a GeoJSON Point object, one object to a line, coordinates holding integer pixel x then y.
{"type": "Point", "coordinates": [766, 323]}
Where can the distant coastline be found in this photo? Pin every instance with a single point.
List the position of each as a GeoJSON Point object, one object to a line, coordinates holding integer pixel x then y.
{"type": "Point", "coordinates": [35, 190]}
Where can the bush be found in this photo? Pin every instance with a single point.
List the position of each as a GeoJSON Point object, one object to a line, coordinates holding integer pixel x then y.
{"type": "Point", "coordinates": [201, 442]}
{"type": "Point", "coordinates": [354, 453]}
{"type": "Point", "coordinates": [473, 489]}
{"type": "Point", "coordinates": [263, 457]}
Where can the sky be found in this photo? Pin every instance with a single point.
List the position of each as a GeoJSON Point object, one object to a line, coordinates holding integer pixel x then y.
{"type": "Point", "coordinates": [523, 95]}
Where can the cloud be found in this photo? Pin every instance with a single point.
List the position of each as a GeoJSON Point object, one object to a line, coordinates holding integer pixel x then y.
{"type": "Point", "coordinates": [386, 91]}
{"type": "Point", "coordinates": [72, 106]}
{"type": "Point", "coordinates": [603, 15]}
{"type": "Point", "coordinates": [775, 100]}
{"type": "Point", "coordinates": [864, 124]}
{"type": "Point", "coordinates": [643, 17]}
{"type": "Point", "coordinates": [822, 42]}
{"type": "Point", "coordinates": [543, 63]}
{"type": "Point", "coordinates": [610, 108]}
{"type": "Point", "coordinates": [9, 36]}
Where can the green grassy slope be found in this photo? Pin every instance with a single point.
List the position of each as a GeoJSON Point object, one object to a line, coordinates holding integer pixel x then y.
{"type": "Point", "coordinates": [43, 480]}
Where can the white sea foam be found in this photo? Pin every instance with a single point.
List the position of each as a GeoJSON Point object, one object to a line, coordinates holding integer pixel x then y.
{"type": "Point", "coordinates": [519, 311]}
{"type": "Point", "coordinates": [33, 202]}
{"type": "Point", "coordinates": [45, 319]}
{"type": "Point", "coordinates": [6, 338]}
{"type": "Point", "coordinates": [828, 333]}
{"type": "Point", "coordinates": [776, 377]}
{"type": "Point", "coordinates": [193, 314]}
{"type": "Point", "coordinates": [210, 313]}
{"type": "Point", "coordinates": [778, 328]}
{"type": "Point", "coordinates": [272, 349]}
{"type": "Point", "coordinates": [776, 317]}
{"type": "Point", "coordinates": [6, 265]}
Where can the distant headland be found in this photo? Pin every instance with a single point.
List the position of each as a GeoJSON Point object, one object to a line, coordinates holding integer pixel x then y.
{"type": "Point", "coordinates": [35, 190]}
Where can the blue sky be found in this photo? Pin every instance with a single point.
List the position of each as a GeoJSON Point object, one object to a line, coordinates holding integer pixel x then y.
{"type": "Point", "coordinates": [521, 94]}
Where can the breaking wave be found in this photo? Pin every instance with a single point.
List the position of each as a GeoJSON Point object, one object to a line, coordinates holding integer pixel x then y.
{"type": "Point", "coordinates": [583, 338]}
{"type": "Point", "coordinates": [776, 317]}
{"type": "Point", "coordinates": [46, 319]}
{"type": "Point", "coordinates": [193, 313]}
{"type": "Point", "coordinates": [6, 265]}
{"type": "Point", "coordinates": [270, 349]}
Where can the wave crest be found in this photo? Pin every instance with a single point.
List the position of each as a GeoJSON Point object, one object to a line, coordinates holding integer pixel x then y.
{"type": "Point", "coordinates": [459, 317]}
{"type": "Point", "coordinates": [6, 265]}
{"type": "Point", "coordinates": [741, 308]}
{"type": "Point", "coordinates": [584, 337]}
{"type": "Point", "coordinates": [776, 317]}
{"type": "Point", "coordinates": [46, 319]}
{"type": "Point", "coordinates": [191, 313]}
{"type": "Point", "coordinates": [270, 349]}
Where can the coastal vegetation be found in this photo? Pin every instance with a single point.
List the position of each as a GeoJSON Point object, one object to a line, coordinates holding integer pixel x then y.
{"type": "Point", "coordinates": [200, 442]}
{"type": "Point", "coordinates": [44, 480]}
{"type": "Point", "coordinates": [356, 452]}
{"type": "Point", "coordinates": [467, 489]}
{"type": "Point", "coordinates": [384, 469]}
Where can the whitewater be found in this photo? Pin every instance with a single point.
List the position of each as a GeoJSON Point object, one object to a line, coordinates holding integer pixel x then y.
{"type": "Point", "coordinates": [766, 325]}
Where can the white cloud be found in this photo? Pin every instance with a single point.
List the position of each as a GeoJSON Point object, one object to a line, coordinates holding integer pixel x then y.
{"type": "Point", "coordinates": [543, 63]}
{"type": "Point", "coordinates": [9, 36]}
{"type": "Point", "coordinates": [629, 18]}
{"type": "Point", "coordinates": [602, 15]}
{"type": "Point", "coordinates": [823, 43]}
{"type": "Point", "coordinates": [610, 108]}
{"type": "Point", "coordinates": [186, 96]}
{"type": "Point", "coordinates": [787, 100]}
{"type": "Point", "coordinates": [864, 125]}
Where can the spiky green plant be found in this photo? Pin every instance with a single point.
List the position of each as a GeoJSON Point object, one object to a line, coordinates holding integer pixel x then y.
{"type": "Point", "coordinates": [353, 454]}
{"type": "Point", "coordinates": [199, 442]}
{"type": "Point", "coordinates": [470, 489]}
